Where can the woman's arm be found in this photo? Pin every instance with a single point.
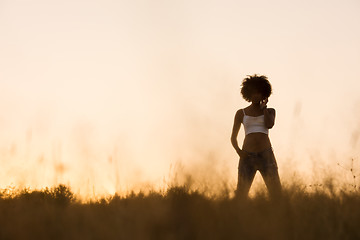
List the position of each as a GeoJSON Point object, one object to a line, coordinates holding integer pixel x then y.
{"type": "Point", "coordinates": [235, 131]}
{"type": "Point", "coordinates": [269, 114]}
{"type": "Point", "coordinates": [269, 117]}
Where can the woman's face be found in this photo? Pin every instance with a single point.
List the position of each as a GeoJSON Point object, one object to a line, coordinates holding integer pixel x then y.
{"type": "Point", "coordinates": [256, 97]}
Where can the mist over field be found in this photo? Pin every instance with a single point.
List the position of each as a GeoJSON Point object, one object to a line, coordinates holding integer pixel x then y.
{"type": "Point", "coordinates": [109, 97]}
{"type": "Point", "coordinates": [116, 116]}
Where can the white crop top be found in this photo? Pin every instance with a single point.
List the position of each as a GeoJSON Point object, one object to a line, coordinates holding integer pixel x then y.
{"type": "Point", "coordinates": [254, 124]}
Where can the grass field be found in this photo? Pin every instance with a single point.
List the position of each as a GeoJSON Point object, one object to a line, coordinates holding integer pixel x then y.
{"type": "Point", "coordinates": [180, 213]}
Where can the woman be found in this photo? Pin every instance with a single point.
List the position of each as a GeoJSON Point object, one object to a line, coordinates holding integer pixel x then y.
{"type": "Point", "coordinates": [256, 153]}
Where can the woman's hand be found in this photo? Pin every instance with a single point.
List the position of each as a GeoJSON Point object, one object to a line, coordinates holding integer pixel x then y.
{"type": "Point", "coordinates": [263, 104]}
{"type": "Point", "coordinates": [242, 154]}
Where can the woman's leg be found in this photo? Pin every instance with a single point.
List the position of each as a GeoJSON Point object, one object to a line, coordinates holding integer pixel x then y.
{"type": "Point", "coordinates": [269, 172]}
{"type": "Point", "coordinates": [246, 174]}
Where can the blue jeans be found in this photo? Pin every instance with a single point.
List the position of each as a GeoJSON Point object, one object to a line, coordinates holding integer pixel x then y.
{"type": "Point", "coordinates": [263, 161]}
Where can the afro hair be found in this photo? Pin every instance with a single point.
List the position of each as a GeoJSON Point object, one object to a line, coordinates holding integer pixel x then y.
{"type": "Point", "coordinates": [255, 83]}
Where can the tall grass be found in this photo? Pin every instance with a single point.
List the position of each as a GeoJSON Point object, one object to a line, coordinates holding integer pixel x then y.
{"type": "Point", "coordinates": [181, 213]}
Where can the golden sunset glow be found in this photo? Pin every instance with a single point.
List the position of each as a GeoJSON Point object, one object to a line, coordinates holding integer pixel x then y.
{"type": "Point", "coordinates": [110, 96]}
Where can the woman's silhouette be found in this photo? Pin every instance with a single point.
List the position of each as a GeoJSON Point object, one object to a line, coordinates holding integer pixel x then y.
{"type": "Point", "coordinates": [256, 153]}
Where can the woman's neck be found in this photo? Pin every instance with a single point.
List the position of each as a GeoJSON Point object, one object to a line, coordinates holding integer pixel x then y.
{"type": "Point", "coordinates": [255, 105]}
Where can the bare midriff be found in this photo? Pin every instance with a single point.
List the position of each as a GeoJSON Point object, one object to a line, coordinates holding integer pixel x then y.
{"type": "Point", "coordinates": [256, 142]}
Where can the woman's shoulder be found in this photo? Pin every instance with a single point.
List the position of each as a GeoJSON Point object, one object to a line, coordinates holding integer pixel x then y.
{"type": "Point", "coordinates": [243, 111]}
{"type": "Point", "coordinates": [240, 111]}
{"type": "Point", "coordinates": [239, 114]}
{"type": "Point", "coordinates": [272, 111]}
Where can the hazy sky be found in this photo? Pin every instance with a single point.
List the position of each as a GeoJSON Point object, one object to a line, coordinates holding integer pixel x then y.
{"type": "Point", "coordinates": [110, 95]}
